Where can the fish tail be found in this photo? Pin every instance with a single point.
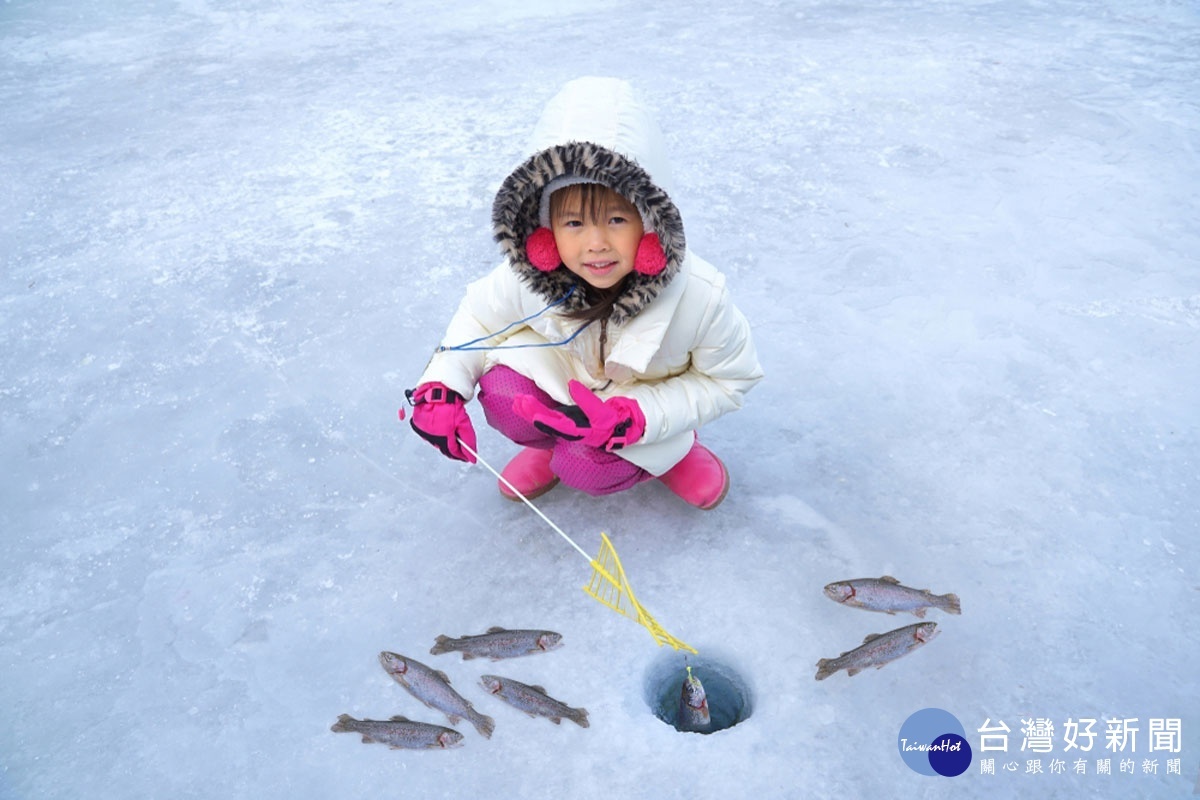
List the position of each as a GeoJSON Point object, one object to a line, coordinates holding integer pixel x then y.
{"type": "Point", "coordinates": [440, 645]}
{"type": "Point", "coordinates": [342, 723]}
{"type": "Point", "coordinates": [579, 717]}
{"type": "Point", "coordinates": [949, 604]}
{"type": "Point", "coordinates": [825, 668]}
{"type": "Point", "coordinates": [484, 724]}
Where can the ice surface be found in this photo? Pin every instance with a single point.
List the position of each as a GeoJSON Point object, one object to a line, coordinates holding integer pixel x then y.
{"type": "Point", "coordinates": [232, 231]}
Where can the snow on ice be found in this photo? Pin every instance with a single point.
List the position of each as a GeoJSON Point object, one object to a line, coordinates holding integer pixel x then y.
{"type": "Point", "coordinates": [232, 231]}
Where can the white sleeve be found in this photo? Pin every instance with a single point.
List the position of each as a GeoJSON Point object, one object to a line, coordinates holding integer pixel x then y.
{"type": "Point", "coordinates": [490, 304]}
{"type": "Point", "coordinates": [724, 366]}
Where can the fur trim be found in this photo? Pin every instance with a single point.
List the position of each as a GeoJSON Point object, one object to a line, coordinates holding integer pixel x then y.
{"type": "Point", "coordinates": [515, 214]}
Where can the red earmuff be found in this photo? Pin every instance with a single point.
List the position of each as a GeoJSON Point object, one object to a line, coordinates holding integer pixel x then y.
{"type": "Point", "coordinates": [650, 258]}
{"type": "Point", "coordinates": [542, 251]}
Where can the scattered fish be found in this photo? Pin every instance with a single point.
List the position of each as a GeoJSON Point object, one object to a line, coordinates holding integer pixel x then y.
{"type": "Point", "coordinates": [499, 643]}
{"type": "Point", "coordinates": [533, 700]}
{"type": "Point", "coordinates": [432, 688]}
{"type": "Point", "coordinates": [879, 649]}
{"type": "Point", "coordinates": [400, 733]}
{"type": "Point", "coordinates": [693, 706]}
{"type": "Point", "coordinates": [888, 595]}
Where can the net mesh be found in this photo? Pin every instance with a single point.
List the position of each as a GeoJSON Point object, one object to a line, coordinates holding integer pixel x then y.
{"type": "Point", "coordinates": [610, 586]}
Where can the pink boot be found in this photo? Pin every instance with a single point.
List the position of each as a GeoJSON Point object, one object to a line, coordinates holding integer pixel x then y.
{"type": "Point", "coordinates": [529, 471]}
{"type": "Point", "coordinates": [700, 478]}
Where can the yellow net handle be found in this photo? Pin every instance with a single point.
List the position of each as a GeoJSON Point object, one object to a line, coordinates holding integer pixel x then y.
{"type": "Point", "coordinates": [619, 583]}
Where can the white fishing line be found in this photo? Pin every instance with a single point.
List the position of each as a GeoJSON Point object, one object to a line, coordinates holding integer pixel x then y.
{"type": "Point", "coordinates": [525, 500]}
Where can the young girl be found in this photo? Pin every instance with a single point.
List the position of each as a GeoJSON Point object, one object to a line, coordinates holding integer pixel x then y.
{"type": "Point", "coordinates": [601, 343]}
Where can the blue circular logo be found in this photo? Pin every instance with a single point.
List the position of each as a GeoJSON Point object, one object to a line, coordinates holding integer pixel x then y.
{"type": "Point", "coordinates": [933, 742]}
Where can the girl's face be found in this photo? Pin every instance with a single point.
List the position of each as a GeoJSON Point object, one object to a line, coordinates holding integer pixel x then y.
{"type": "Point", "coordinates": [598, 239]}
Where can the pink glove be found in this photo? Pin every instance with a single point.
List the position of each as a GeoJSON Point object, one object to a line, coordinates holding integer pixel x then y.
{"type": "Point", "coordinates": [611, 423]}
{"type": "Point", "coordinates": [440, 418]}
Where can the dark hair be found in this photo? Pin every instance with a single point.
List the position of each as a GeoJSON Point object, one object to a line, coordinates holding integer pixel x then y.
{"type": "Point", "coordinates": [589, 199]}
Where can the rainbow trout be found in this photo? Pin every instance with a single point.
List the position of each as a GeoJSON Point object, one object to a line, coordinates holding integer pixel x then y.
{"type": "Point", "coordinates": [499, 643]}
{"type": "Point", "coordinates": [888, 595]}
{"type": "Point", "coordinates": [693, 706]}
{"type": "Point", "coordinates": [432, 688]}
{"type": "Point", "coordinates": [879, 649]}
{"type": "Point", "coordinates": [533, 700]}
{"type": "Point", "coordinates": [400, 733]}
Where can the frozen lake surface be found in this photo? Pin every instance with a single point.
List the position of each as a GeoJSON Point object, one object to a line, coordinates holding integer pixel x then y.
{"type": "Point", "coordinates": [232, 232]}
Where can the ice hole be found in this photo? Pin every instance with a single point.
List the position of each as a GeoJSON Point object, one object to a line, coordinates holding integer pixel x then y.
{"type": "Point", "coordinates": [729, 696]}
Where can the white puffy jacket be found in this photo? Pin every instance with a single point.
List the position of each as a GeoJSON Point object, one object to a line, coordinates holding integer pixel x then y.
{"type": "Point", "coordinates": [675, 342]}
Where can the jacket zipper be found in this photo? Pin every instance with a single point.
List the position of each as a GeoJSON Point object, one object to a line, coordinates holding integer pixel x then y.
{"type": "Point", "coordinates": [603, 340]}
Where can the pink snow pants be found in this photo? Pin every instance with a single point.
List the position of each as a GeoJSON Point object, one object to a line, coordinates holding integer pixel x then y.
{"type": "Point", "coordinates": [588, 469]}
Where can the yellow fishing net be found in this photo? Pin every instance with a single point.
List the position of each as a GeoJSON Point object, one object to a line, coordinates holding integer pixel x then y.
{"type": "Point", "coordinates": [611, 587]}
{"type": "Point", "coordinates": [608, 584]}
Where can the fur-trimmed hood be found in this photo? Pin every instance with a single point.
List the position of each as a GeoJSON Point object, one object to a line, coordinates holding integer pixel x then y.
{"type": "Point", "coordinates": [598, 130]}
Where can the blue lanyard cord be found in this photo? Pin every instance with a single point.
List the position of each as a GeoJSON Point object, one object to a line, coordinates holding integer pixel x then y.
{"type": "Point", "coordinates": [474, 343]}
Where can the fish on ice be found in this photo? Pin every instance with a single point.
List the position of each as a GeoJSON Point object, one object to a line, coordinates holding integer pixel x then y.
{"type": "Point", "coordinates": [432, 687]}
{"type": "Point", "coordinates": [693, 706]}
{"type": "Point", "coordinates": [888, 595]}
{"type": "Point", "coordinates": [498, 643]}
{"type": "Point", "coordinates": [400, 733]}
{"type": "Point", "coordinates": [533, 700]}
{"type": "Point", "coordinates": [879, 649]}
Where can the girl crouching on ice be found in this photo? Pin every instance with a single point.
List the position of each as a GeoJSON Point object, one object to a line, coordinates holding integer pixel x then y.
{"type": "Point", "coordinates": [601, 343]}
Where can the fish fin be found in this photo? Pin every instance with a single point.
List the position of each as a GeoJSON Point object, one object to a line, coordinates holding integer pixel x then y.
{"type": "Point", "coordinates": [496, 629]}
{"type": "Point", "coordinates": [469, 656]}
{"type": "Point", "coordinates": [952, 605]}
{"type": "Point", "coordinates": [579, 717]}
{"type": "Point", "coordinates": [919, 612]}
{"type": "Point", "coordinates": [853, 671]}
{"type": "Point", "coordinates": [889, 579]}
{"type": "Point", "coordinates": [556, 720]}
{"type": "Point", "coordinates": [439, 645]}
{"type": "Point", "coordinates": [454, 718]}
{"type": "Point", "coordinates": [484, 724]}
{"type": "Point", "coordinates": [824, 668]}
{"type": "Point", "coordinates": [442, 675]}
{"type": "Point", "coordinates": [340, 725]}
{"type": "Point", "coordinates": [541, 689]}
{"type": "Point", "coordinates": [367, 739]}
{"type": "Point", "coordinates": [870, 636]}
{"type": "Point", "coordinates": [399, 718]}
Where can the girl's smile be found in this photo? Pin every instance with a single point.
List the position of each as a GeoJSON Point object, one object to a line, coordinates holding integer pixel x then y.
{"type": "Point", "coordinates": [600, 268]}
